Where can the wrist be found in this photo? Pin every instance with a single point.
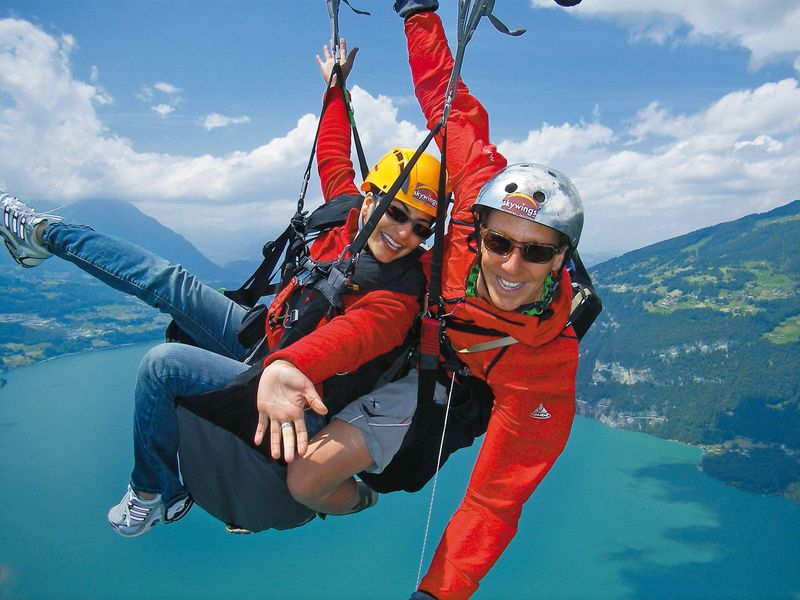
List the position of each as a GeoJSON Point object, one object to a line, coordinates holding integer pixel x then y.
{"type": "Point", "coordinates": [407, 8]}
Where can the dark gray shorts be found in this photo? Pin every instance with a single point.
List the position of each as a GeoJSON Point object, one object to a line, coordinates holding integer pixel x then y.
{"type": "Point", "coordinates": [384, 416]}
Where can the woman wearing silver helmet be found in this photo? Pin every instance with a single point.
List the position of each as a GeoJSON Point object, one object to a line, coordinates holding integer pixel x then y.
{"type": "Point", "coordinates": [508, 300]}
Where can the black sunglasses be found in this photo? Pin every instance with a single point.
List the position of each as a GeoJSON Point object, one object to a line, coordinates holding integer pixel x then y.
{"type": "Point", "coordinates": [497, 243]}
{"type": "Point", "coordinates": [418, 228]}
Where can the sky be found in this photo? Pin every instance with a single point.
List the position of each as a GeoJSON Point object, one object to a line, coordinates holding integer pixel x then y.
{"type": "Point", "coordinates": [668, 116]}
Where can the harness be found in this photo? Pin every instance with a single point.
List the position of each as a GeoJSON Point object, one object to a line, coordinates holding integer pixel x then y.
{"type": "Point", "coordinates": [216, 428]}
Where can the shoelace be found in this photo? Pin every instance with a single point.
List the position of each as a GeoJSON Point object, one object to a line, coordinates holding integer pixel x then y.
{"type": "Point", "coordinates": [16, 214]}
{"type": "Point", "coordinates": [134, 511]}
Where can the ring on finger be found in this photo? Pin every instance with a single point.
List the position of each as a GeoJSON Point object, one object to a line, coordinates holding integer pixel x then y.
{"type": "Point", "coordinates": [286, 425]}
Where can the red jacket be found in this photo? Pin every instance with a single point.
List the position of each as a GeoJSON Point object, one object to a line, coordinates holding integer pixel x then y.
{"type": "Point", "coordinates": [522, 440]}
{"type": "Point", "coordinates": [372, 323]}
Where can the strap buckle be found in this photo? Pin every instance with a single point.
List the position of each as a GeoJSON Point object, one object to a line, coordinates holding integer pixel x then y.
{"type": "Point", "coordinates": [291, 318]}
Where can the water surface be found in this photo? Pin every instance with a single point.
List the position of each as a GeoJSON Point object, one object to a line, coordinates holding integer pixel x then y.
{"type": "Point", "coordinates": [622, 515]}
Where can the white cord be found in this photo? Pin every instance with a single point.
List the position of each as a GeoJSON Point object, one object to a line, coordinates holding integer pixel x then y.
{"type": "Point", "coordinates": [435, 480]}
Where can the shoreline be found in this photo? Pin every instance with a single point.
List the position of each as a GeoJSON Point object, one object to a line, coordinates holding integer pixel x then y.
{"type": "Point", "coordinates": [792, 492]}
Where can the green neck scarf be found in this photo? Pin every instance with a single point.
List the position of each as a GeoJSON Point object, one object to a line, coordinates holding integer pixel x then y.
{"type": "Point", "coordinates": [532, 309]}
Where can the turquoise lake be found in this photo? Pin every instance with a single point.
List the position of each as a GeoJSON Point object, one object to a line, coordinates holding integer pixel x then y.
{"type": "Point", "coordinates": [622, 515]}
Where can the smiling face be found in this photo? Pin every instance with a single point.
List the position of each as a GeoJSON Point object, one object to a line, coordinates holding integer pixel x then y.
{"type": "Point", "coordinates": [392, 240]}
{"type": "Point", "coordinates": [508, 282]}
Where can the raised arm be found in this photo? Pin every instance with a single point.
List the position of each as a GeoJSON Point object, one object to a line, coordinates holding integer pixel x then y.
{"type": "Point", "coordinates": [336, 172]}
{"type": "Point", "coordinates": [471, 158]}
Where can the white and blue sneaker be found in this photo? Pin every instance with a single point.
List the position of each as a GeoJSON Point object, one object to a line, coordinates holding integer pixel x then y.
{"type": "Point", "coordinates": [134, 516]}
{"type": "Point", "coordinates": [18, 230]}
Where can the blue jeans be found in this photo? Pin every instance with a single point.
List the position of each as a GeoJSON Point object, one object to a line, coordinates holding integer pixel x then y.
{"type": "Point", "coordinates": [168, 370]}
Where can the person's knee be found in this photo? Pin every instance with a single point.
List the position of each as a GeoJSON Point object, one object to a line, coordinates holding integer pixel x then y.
{"type": "Point", "coordinates": [304, 481]}
{"type": "Point", "coordinates": [161, 366]}
{"type": "Point", "coordinates": [155, 360]}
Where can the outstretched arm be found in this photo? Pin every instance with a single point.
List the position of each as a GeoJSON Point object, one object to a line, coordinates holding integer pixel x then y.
{"type": "Point", "coordinates": [516, 454]}
{"type": "Point", "coordinates": [283, 393]}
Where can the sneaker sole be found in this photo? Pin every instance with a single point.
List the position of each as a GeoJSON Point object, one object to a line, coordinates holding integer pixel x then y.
{"type": "Point", "coordinates": [139, 532]}
{"type": "Point", "coordinates": [26, 261]}
{"type": "Point", "coordinates": [236, 530]}
{"type": "Point", "coordinates": [180, 512]}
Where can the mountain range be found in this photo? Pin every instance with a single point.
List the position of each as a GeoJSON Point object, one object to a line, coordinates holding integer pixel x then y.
{"type": "Point", "coordinates": [699, 340]}
{"type": "Point", "coordinates": [56, 309]}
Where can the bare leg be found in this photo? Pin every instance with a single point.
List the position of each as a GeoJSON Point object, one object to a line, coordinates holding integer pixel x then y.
{"type": "Point", "coordinates": [323, 478]}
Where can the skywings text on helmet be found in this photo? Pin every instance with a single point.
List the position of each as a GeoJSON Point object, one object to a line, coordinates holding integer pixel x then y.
{"type": "Point", "coordinates": [522, 204]}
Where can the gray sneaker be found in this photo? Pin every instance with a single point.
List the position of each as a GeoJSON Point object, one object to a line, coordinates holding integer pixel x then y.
{"type": "Point", "coordinates": [134, 516]}
{"type": "Point", "coordinates": [18, 230]}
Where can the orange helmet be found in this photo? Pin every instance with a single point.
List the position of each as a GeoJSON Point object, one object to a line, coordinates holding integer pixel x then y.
{"type": "Point", "coordinates": [420, 190]}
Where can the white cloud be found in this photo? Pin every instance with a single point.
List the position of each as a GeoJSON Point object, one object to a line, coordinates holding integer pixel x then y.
{"type": "Point", "coordinates": [378, 126]}
{"type": "Point", "coordinates": [216, 120]}
{"type": "Point", "coordinates": [145, 94]}
{"type": "Point", "coordinates": [62, 151]}
{"type": "Point", "coordinates": [761, 142]}
{"type": "Point", "coordinates": [671, 174]}
{"type": "Point", "coordinates": [168, 105]}
{"type": "Point", "coordinates": [102, 98]}
{"type": "Point", "coordinates": [554, 145]}
{"type": "Point", "coordinates": [167, 88]}
{"type": "Point", "coordinates": [666, 175]}
{"type": "Point", "coordinates": [767, 30]}
{"type": "Point", "coordinates": [738, 156]}
{"type": "Point", "coordinates": [162, 109]}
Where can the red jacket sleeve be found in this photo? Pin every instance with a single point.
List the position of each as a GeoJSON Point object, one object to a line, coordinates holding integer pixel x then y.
{"type": "Point", "coordinates": [336, 173]}
{"type": "Point", "coordinates": [372, 325]}
{"type": "Point", "coordinates": [471, 159]}
{"type": "Point", "coordinates": [518, 451]}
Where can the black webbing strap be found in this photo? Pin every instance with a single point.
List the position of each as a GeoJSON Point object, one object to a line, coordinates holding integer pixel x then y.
{"type": "Point", "coordinates": [258, 284]}
{"type": "Point", "coordinates": [362, 160]}
{"type": "Point", "coordinates": [333, 13]}
{"type": "Point", "coordinates": [291, 244]}
{"type": "Point", "coordinates": [431, 323]}
{"type": "Point", "coordinates": [432, 335]}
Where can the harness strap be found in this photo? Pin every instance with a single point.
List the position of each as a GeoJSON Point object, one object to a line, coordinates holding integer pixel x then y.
{"type": "Point", "coordinates": [490, 345]}
{"type": "Point", "coordinates": [432, 323]}
{"type": "Point", "coordinates": [435, 482]}
{"type": "Point", "coordinates": [333, 13]}
{"type": "Point", "coordinates": [369, 226]}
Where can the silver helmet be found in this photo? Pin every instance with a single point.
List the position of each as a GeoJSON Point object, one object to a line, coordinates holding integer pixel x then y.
{"type": "Point", "coordinates": [536, 193]}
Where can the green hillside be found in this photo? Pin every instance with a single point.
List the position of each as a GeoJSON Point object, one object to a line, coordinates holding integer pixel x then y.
{"type": "Point", "coordinates": [57, 309]}
{"type": "Point", "coordinates": [47, 313]}
{"type": "Point", "coordinates": [700, 341]}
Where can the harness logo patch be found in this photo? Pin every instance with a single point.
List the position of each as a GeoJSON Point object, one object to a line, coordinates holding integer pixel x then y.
{"type": "Point", "coordinates": [540, 413]}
